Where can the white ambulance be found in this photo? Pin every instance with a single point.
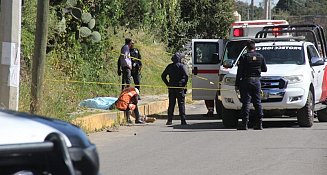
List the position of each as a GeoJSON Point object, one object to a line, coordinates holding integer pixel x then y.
{"type": "Point", "coordinates": [211, 57]}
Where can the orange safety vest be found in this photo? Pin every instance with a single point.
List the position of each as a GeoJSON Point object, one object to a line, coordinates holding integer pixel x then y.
{"type": "Point", "coordinates": [124, 101]}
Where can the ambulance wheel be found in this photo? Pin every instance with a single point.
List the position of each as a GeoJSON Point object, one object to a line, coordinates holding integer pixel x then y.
{"type": "Point", "coordinates": [305, 115]}
{"type": "Point", "coordinates": [229, 117]}
{"type": "Point", "coordinates": [322, 115]}
{"type": "Point", "coordinates": [219, 107]}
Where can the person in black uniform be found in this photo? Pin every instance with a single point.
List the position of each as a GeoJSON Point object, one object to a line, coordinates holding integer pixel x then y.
{"type": "Point", "coordinates": [178, 77]}
{"type": "Point", "coordinates": [250, 66]}
{"type": "Point", "coordinates": [136, 66]}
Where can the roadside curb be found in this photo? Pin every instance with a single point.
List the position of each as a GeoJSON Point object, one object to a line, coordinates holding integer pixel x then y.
{"type": "Point", "coordinates": [97, 122]}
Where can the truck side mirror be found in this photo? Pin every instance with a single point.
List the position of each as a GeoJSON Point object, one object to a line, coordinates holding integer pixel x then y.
{"type": "Point", "coordinates": [228, 63]}
{"type": "Point", "coordinates": [317, 61]}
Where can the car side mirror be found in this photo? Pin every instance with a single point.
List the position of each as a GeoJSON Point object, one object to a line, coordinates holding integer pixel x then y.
{"type": "Point", "coordinates": [317, 61]}
{"type": "Point", "coordinates": [228, 63]}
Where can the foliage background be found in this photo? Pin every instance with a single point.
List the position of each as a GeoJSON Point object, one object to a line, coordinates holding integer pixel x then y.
{"type": "Point", "coordinates": [159, 27]}
{"type": "Point", "coordinates": [78, 68]}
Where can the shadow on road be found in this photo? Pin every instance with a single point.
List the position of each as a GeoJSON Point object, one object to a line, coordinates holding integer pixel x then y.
{"type": "Point", "coordinates": [213, 123]}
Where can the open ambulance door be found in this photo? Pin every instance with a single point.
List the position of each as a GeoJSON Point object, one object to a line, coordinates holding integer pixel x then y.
{"type": "Point", "coordinates": [206, 56]}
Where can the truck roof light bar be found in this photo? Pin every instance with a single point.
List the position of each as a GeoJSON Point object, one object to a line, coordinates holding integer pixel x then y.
{"type": "Point", "coordinates": [316, 31]}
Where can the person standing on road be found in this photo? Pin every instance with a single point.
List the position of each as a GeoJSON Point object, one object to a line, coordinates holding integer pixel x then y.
{"type": "Point", "coordinates": [178, 78]}
{"type": "Point", "coordinates": [250, 66]}
{"type": "Point", "coordinates": [136, 66]}
{"type": "Point", "coordinates": [124, 63]}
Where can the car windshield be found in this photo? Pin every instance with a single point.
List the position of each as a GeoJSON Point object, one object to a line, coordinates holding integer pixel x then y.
{"type": "Point", "coordinates": [282, 54]}
{"type": "Point", "coordinates": [233, 50]}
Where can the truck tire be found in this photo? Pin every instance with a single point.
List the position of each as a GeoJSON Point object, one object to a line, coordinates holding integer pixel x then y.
{"type": "Point", "coordinates": [305, 115]}
{"type": "Point", "coordinates": [219, 107]}
{"type": "Point", "coordinates": [322, 115]}
{"type": "Point", "coordinates": [229, 117]}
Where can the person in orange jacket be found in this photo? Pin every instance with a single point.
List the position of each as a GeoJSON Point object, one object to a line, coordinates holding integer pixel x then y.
{"type": "Point", "coordinates": [127, 102]}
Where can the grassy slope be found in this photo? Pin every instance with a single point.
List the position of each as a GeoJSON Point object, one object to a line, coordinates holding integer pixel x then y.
{"type": "Point", "coordinates": [62, 98]}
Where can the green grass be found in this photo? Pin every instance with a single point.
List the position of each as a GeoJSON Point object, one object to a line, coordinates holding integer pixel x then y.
{"type": "Point", "coordinates": [61, 98]}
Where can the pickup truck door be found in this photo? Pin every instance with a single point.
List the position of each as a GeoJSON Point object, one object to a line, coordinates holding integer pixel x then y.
{"type": "Point", "coordinates": [318, 71]}
{"type": "Point", "coordinates": [206, 56]}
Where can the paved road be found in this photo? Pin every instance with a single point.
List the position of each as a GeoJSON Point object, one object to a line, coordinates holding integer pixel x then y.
{"type": "Point", "coordinates": [205, 147]}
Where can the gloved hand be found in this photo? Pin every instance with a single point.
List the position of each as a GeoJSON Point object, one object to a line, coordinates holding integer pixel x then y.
{"type": "Point", "coordinates": [119, 72]}
{"type": "Point", "coordinates": [237, 88]}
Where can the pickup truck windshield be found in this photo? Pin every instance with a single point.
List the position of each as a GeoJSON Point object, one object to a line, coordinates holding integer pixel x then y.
{"type": "Point", "coordinates": [233, 50]}
{"type": "Point", "coordinates": [282, 54]}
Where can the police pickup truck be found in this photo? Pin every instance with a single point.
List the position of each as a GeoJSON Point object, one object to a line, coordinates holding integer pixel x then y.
{"type": "Point", "coordinates": [34, 145]}
{"type": "Point", "coordinates": [296, 81]}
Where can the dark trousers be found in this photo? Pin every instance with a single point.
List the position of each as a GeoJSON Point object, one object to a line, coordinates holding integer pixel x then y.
{"type": "Point", "coordinates": [178, 94]}
{"type": "Point", "coordinates": [126, 78]}
{"type": "Point", "coordinates": [250, 89]}
{"type": "Point", "coordinates": [136, 78]}
{"type": "Point", "coordinates": [136, 111]}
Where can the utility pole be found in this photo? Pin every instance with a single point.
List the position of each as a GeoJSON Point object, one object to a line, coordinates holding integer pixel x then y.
{"type": "Point", "coordinates": [10, 37]}
{"type": "Point", "coordinates": [267, 9]}
{"type": "Point", "coordinates": [252, 9]}
{"type": "Point", "coordinates": [41, 37]}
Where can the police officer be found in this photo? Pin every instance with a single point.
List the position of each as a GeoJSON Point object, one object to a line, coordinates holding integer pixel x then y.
{"type": "Point", "coordinates": [124, 63]}
{"type": "Point", "coordinates": [136, 66]}
{"type": "Point", "coordinates": [178, 77]}
{"type": "Point", "coordinates": [250, 66]}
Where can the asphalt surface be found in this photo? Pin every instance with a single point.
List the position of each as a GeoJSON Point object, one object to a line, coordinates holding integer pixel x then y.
{"type": "Point", "coordinates": [206, 147]}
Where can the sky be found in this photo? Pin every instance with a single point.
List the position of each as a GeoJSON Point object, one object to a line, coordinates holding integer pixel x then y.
{"type": "Point", "coordinates": [256, 2]}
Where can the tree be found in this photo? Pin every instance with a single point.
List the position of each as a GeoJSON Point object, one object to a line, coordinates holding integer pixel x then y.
{"type": "Point", "coordinates": [245, 11]}
{"type": "Point", "coordinates": [207, 18]}
{"type": "Point", "coordinates": [294, 7]}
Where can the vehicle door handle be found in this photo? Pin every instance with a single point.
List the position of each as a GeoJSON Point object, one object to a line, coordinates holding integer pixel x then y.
{"type": "Point", "coordinates": [195, 71]}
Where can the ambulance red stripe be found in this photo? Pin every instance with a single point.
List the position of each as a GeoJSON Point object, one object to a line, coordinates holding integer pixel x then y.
{"type": "Point", "coordinates": [211, 71]}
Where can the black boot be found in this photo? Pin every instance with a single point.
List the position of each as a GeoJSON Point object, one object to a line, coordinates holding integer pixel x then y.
{"type": "Point", "coordinates": [258, 125]}
{"type": "Point", "coordinates": [183, 122]}
{"type": "Point", "coordinates": [169, 121]}
{"type": "Point", "coordinates": [243, 126]}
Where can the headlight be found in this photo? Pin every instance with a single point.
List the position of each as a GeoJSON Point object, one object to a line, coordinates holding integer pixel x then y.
{"type": "Point", "coordinates": [294, 79]}
{"type": "Point", "coordinates": [230, 81]}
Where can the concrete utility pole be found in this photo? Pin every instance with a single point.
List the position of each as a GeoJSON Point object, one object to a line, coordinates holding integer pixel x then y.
{"type": "Point", "coordinates": [267, 9]}
{"type": "Point", "coordinates": [41, 37]}
{"type": "Point", "coordinates": [10, 36]}
{"type": "Point", "coordinates": [252, 9]}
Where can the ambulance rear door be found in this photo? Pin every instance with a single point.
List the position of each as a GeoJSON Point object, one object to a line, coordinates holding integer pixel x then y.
{"type": "Point", "coordinates": [206, 56]}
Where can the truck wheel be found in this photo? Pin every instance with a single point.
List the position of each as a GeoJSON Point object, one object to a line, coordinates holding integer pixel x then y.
{"type": "Point", "coordinates": [229, 117]}
{"type": "Point", "coordinates": [219, 107]}
{"type": "Point", "coordinates": [322, 115]}
{"type": "Point", "coordinates": [305, 115]}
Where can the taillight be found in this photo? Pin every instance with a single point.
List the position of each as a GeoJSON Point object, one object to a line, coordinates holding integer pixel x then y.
{"type": "Point", "coordinates": [238, 32]}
